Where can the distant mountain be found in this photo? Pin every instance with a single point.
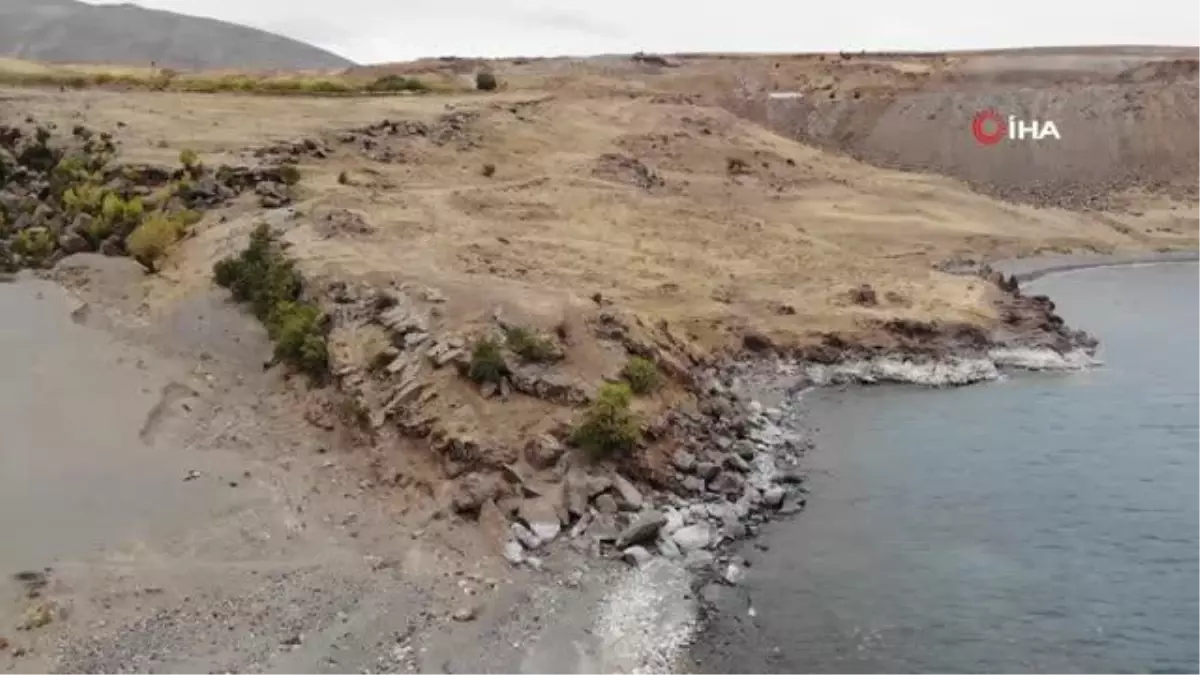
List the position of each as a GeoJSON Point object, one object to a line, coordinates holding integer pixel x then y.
{"type": "Point", "coordinates": [72, 31]}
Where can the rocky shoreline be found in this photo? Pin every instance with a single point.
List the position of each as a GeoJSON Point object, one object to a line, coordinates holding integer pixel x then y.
{"type": "Point", "coordinates": [738, 462]}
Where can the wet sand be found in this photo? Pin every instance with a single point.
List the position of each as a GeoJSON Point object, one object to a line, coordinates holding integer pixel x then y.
{"type": "Point", "coordinates": [82, 458]}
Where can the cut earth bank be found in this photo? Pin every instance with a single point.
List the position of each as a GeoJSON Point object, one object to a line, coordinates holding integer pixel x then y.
{"type": "Point", "coordinates": [409, 517]}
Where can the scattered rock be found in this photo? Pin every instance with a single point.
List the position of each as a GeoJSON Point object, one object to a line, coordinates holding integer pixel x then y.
{"type": "Point", "coordinates": [736, 463]}
{"type": "Point", "coordinates": [514, 553]}
{"type": "Point", "coordinates": [669, 549]}
{"type": "Point", "coordinates": [674, 522]}
{"type": "Point", "coordinates": [527, 538]}
{"type": "Point", "coordinates": [541, 518]}
{"type": "Point", "coordinates": [773, 496]}
{"type": "Point", "coordinates": [697, 560]}
{"type": "Point", "coordinates": [471, 491]}
{"type": "Point", "coordinates": [791, 505]}
{"type": "Point", "coordinates": [693, 537]}
{"type": "Point", "coordinates": [543, 451]}
{"type": "Point", "coordinates": [631, 499]}
{"type": "Point", "coordinates": [684, 461]}
{"type": "Point", "coordinates": [636, 555]}
{"type": "Point", "coordinates": [864, 296]}
{"type": "Point", "coordinates": [644, 529]}
{"type": "Point", "coordinates": [733, 574]}
{"type": "Point", "coordinates": [465, 614]}
{"type": "Point", "coordinates": [726, 483]}
{"type": "Point", "coordinates": [707, 470]}
{"type": "Point", "coordinates": [606, 504]}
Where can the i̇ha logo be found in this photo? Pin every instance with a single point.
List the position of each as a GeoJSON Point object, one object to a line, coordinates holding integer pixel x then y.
{"type": "Point", "coordinates": [989, 128]}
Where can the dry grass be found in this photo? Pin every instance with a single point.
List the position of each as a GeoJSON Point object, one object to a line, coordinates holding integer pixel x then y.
{"type": "Point", "coordinates": [20, 73]}
{"type": "Point", "coordinates": [567, 213]}
{"type": "Point", "coordinates": [708, 252]}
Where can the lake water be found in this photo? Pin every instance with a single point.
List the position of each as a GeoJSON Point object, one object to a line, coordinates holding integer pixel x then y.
{"type": "Point", "coordinates": [1045, 522]}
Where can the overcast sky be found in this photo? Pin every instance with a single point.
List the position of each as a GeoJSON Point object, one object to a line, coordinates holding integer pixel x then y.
{"type": "Point", "coordinates": [393, 30]}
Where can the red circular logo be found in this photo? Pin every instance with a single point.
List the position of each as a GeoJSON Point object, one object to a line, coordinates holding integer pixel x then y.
{"type": "Point", "coordinates": [988, 127]}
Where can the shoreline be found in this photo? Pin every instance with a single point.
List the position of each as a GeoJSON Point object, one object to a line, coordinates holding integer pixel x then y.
{"type": "Point", "coordinates": [1036, 267]}
{"type": "Point", "coordinates": [797, 414]}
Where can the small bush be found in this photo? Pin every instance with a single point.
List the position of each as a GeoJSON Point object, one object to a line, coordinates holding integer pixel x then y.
{"type": "Point", "coordinates": [35, 243]}
{"type": "Point", "coordinates": [68, 173]}
{"type": "Point", "coordinates": [489, 170]}
{"type": "Point", "coordinates": [608, 427]}
{"type": "Point", "coordinates": [119, 215]}
{"type": "Point", "coordinates": [396, 83]}
{"type": "Point", "coordinates": [485, 80]}
{"type": "Point", "coordinates": [189, 217]}
{"type": "Point", "coordinates": [151, 240]}
{"type": "Point", "coordinates": [266, 280]}
{"type": "Point", "coordinates": [83, 198]}
{"type": "Point", "coordinates": [530, 346]}
{"type": "Point", "coordinates": [289, 173]}
{"type": "Point", "coordinates": [299, 339]}
{"type": "Point", "coordinates": [487, 362]}
{"type": "Point", "coordinates": [641, 374]}
{"type": "Point", "coordinates": [343, 178]}
{"type": "Point", "coordinates": [188, 158]}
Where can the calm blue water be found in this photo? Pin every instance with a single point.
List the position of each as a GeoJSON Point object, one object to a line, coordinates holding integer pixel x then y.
{"type": "Point", "coordinates": [1047, 522]}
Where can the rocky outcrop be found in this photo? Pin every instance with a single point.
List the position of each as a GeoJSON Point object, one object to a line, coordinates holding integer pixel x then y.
{"type": "Point", "coordinates": [66, 193]}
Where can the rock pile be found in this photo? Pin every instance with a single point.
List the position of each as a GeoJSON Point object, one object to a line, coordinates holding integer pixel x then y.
{"type": "Point", "coordinates": [735, 472]}
{"type": "Point", "coordinates": [62, 194]}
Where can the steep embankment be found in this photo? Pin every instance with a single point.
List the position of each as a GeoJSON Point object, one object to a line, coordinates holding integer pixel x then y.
{"type": "Point", "coordinates": [1126, 123]}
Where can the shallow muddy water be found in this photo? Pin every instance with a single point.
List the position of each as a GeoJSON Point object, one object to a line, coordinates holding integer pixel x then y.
{"type": "Point", "coordinates": [1041, 523]}
{"type": "Point", "coordinates": [86, 456]}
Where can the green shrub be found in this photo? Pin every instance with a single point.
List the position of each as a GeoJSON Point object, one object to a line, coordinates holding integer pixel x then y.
{"type": "Point", "coordinates": [485, 80]}
{"type": "Point", "coordinates": [608, 427]}
{"type": "Point", "coordinates": [299, 339]}
{"type": "Point", "coordinates": [122, 215]}
{"type": "Point", "coordinates": [188, 158]}
{"type": "Point", "coordinates": [487, 362]}
{"type": "Point", "coordinates": [35, 243]}
{"type": "Point", "coordinates": [264, 278]}
{"type": "Point", "coordinates": [395, 82]}
{"type": "Point", "coordinates": [69, 172]}
{"type": "Point", "coordinates": [530, 346]}
{"type": "Point", "coordinates": [641, 374]}
{"type": "Point", "coordinates": [289, 173]}
{"type": "Point", "coordinates": [189, 217]}
{"type": "Point", "coordinates": [83, 198]}
{"type": "Point", "coordinates": [151, 240]}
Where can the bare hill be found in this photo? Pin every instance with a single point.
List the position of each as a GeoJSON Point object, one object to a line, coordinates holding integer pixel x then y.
{"type": "Point", "coordinates": [1127, 115]}
{"type": "Point", "coordinates": [71, 31]}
